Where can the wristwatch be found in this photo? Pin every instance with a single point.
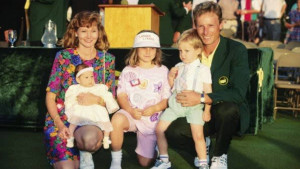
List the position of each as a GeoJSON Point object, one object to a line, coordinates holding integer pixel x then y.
{"type": "Point", "coordinates": [202, 99]}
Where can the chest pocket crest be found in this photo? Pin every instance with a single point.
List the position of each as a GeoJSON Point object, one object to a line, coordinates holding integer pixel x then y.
{"type": "Point", "coordinates": [223, 80]}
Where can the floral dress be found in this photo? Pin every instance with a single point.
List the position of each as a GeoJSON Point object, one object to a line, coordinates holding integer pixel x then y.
{"type": "Point", "coordinates": [61, 77]}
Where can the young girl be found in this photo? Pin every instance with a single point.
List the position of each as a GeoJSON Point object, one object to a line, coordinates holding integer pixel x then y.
{"type": "Point", "coordinates": [189, 74]}
{"type": "Point", "coordinates": [93, 114]}
{"type": "Point", "coordinates": [142, 94]}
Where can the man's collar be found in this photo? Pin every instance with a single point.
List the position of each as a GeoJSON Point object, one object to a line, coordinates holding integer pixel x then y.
{"type": "Point", "coordinates": [211, 50]}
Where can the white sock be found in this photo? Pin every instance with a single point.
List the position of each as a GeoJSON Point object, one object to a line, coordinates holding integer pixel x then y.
{"type": "Point", "coordinates": [116, 160]}
{"type": "Point", "coordinates": [106, 138]}
{"type": "Point", "coordinates": [164, 158]}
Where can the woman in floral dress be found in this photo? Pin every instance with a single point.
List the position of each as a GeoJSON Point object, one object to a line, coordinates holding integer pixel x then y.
{"type": "Point", "coordinates": [86, 42]}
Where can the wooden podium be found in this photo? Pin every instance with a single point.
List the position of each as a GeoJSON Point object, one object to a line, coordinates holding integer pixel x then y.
{"type": "Point", "coordinates": [123, 22]}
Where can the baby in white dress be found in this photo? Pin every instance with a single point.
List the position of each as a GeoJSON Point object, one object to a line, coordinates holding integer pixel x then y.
{"type": "Point", "coordinates": [96, 114]}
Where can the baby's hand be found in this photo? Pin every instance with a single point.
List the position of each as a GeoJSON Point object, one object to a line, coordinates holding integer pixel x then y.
{"type": "Point", "coordinates": [206, 116]}
{"type": "Point", "coordinates": [136, 113]}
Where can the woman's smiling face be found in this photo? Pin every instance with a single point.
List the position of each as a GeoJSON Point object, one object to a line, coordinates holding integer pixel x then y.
{"type": "Point", "coordinates": [87, 36]}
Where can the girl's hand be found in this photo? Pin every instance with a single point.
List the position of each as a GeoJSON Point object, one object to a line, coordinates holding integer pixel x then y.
{"type": "Point", "coordinates": [206, 116]}
{"type": "Point", "coordinates": [63, 131]}
{"type": "Point", "coordinates": [136, 113]}
{"type": "Point", "coordinates": [87, 99]}
{"type": "Point", "coordinates": [149, 111]}
{"type": "Point", "coordinates": [173, 73]}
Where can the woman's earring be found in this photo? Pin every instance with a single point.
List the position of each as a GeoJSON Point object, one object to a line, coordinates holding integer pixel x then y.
{"type": "Point", "coordinates": [76, 35]}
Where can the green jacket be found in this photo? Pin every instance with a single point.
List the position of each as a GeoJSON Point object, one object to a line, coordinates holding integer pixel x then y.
{"type": "Point", "coordinates": [40, 11]}
{"type": "Point", "coordinates": [230, 77]}
{"type": "Point", "coordinates": [170, 8]}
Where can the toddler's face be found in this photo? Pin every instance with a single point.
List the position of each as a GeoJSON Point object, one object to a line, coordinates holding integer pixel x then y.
{"type": "Point", "coordinates": [187, 53]}
{"type": "Point", "coordinates": [86, 79]}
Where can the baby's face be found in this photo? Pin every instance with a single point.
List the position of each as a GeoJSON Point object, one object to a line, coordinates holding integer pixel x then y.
{"type": "Point", "coordinates": [86, 79]}
{"type": "Point", "coordinates": [188, 53]}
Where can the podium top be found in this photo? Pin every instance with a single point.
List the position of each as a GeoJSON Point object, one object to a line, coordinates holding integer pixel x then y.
{"type": "Point", "coordinates": [134, 6]}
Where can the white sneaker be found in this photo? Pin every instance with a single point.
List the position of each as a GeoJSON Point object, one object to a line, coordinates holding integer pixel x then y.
{"type": "Point", "coordinates": [86, 160]}
{"type": "Point", "coordinates": [159, 164]}
{"type": "Point", "coordinates": [219, 162]}
{"type": "Point", "coordinates": [197, 160]}
{"type": "Point", "coordinates": [204, 166]}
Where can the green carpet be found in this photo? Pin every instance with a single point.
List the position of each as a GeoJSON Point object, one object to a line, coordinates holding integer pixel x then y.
{"type": "Point", "coordinates": [277, 146]}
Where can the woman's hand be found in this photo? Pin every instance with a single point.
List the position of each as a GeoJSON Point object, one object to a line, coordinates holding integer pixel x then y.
{"type": "Point", "coordinates": [87, 99]}
{"type": "Point", "coordinates": [63, 131]}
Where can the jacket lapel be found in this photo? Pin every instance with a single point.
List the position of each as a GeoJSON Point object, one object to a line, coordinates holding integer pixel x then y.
{"type": "Point", "coordinates": [220, 55]}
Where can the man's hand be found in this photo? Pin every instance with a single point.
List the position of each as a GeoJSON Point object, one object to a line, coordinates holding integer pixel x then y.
{"type": "Point", "coordinates": [288, 25]}
{"type": "Point", "coordinates": [188, 98]}
{"type": "Point", "coordinates": [188, 5]}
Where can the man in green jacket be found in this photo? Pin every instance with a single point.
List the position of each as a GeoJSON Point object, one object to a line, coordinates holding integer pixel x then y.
{"type": "Point", "coordinates": [228, 62]}
{"type": "Point", "coordinates": [169, 8]}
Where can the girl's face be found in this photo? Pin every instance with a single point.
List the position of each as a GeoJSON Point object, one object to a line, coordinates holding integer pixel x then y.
{"type": "Point", "coordinates": [87, 36]}
{"type": "Point", "coordinates": [146, 55]}
{"type": "Point", "coordinates": [187, 53]}
{"type": "Point", "coordinates": [86, 79]}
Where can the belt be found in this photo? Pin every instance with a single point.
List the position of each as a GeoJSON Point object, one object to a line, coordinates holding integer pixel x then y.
{"type": "Point", "coordinates": [271, 18]}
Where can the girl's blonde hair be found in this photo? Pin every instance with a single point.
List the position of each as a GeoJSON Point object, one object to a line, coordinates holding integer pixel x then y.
{"type": "Point", "coordinates": [85, 19]}
{"type": "Point", "coordinates": [132, 58]}
{"type": "Point", "coordinates": [191, 36]}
